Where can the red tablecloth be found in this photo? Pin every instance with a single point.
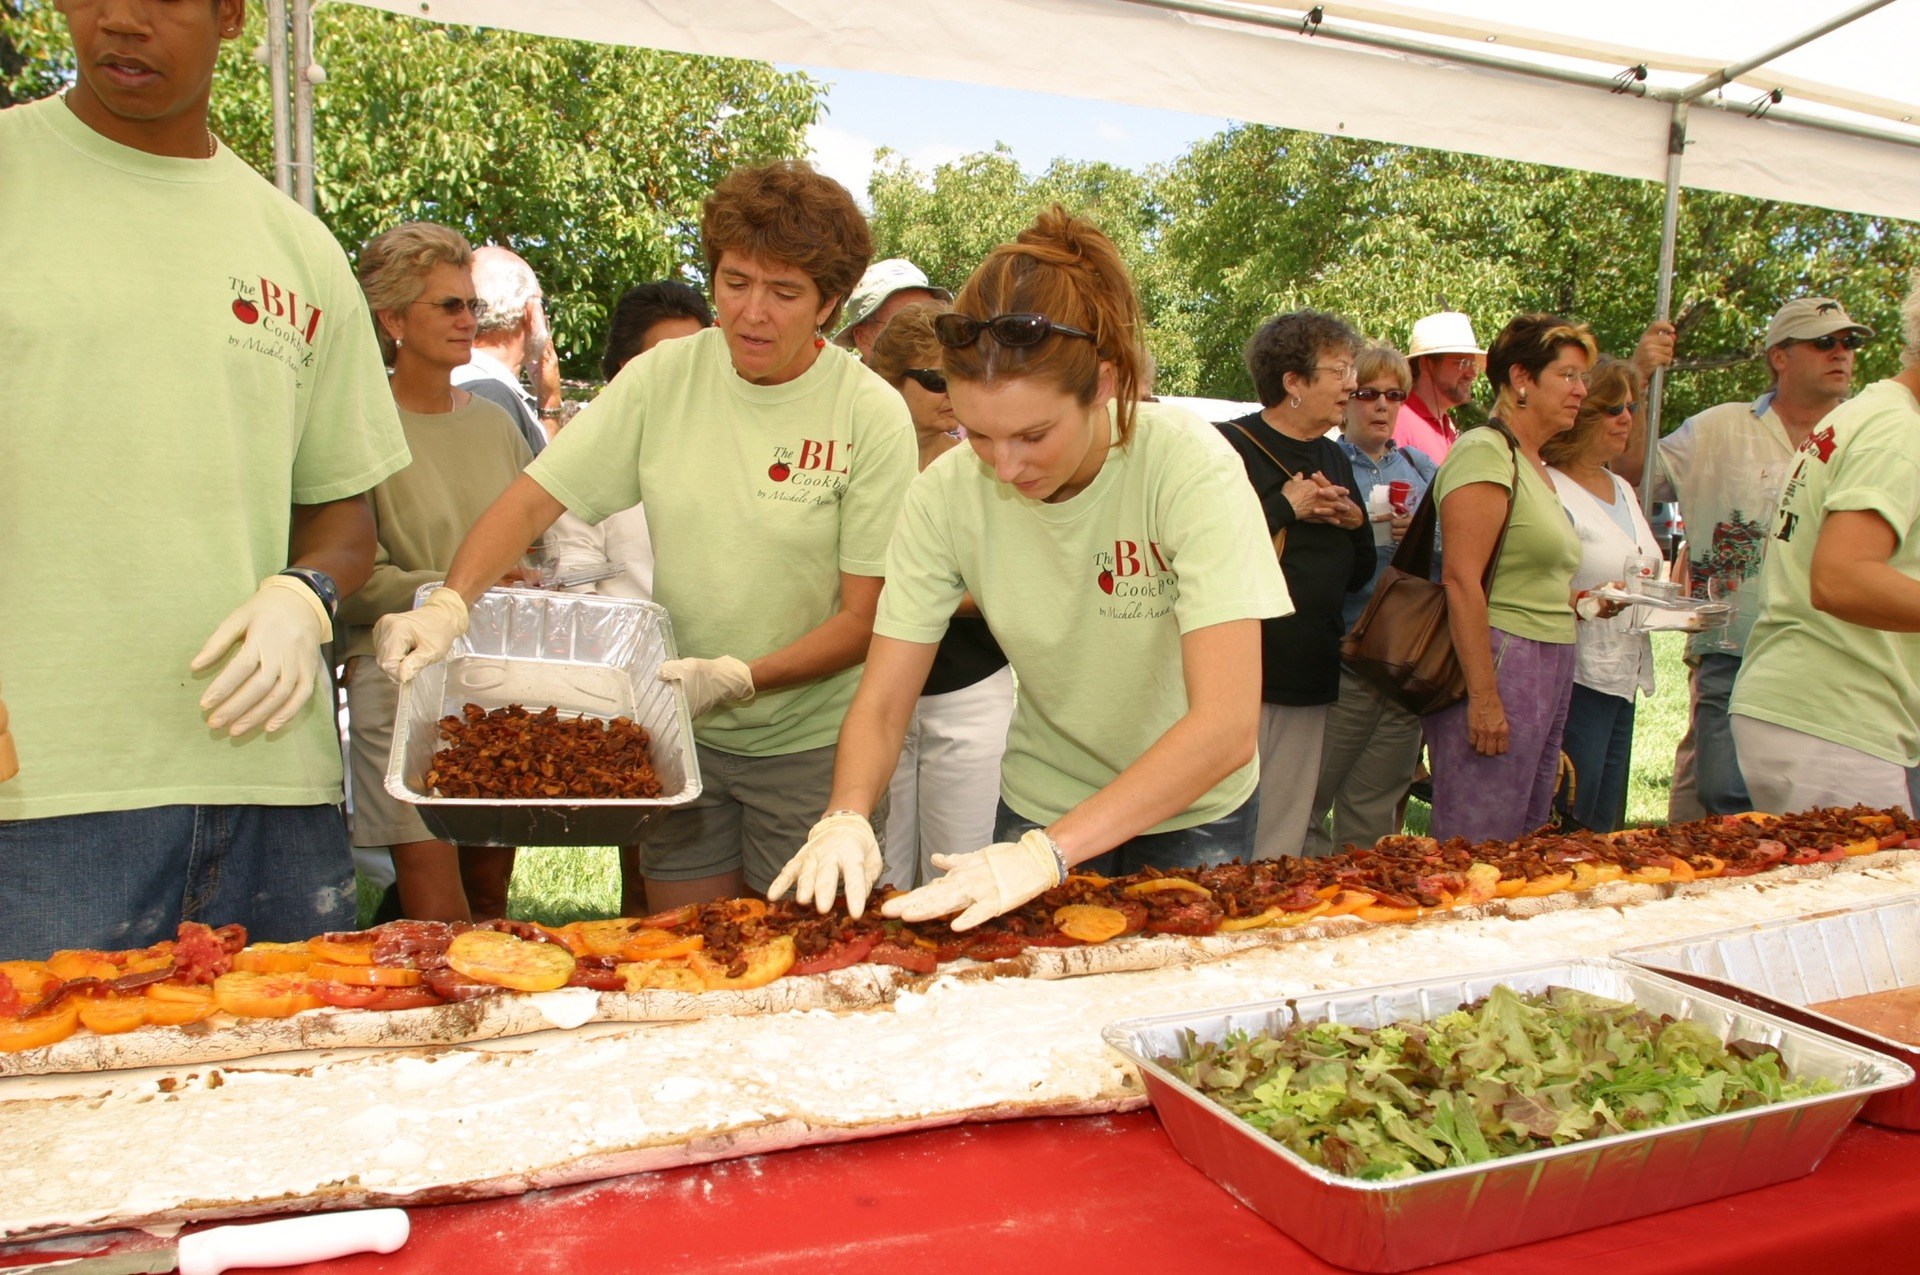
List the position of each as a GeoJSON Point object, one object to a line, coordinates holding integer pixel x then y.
{"type": "Point", "coordinates": [1102, 1194]}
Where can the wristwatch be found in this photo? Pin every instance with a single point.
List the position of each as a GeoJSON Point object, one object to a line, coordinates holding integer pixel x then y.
{"type": "Point", "coordinates": [321, 583]}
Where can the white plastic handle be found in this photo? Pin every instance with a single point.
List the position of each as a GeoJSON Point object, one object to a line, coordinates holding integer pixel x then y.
{"type": "Point", "coordinates": [293, 1240]}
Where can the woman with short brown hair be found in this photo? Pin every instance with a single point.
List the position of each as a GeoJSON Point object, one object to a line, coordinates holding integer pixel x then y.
{"type": "Point", "coordinates": [772, 467]}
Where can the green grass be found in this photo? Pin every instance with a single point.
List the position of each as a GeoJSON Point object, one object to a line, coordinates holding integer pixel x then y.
{"type": "Point", "coordinates": [556, 884]}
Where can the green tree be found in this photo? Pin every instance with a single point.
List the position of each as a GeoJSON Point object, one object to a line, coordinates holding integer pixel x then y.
{"type": "Point", "coordinates": [35, 59]}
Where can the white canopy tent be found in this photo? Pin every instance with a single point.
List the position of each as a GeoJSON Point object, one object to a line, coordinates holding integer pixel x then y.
{"type": "Point", "coordinates": [1809, 101]}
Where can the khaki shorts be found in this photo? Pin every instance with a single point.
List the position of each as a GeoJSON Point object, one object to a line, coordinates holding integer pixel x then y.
{"type": "Point", "coordinates": [376, 818]}
{"type": "Point", "coordinates": [753, 814]}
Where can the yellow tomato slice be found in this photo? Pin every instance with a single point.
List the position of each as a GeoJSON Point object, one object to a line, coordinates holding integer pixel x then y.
{"type": "Point", "coordinates": [1347, 902]}
{"type": "Point", "coordinates": [1483, 883]}
{"type": "Point", "coordinates": [661, 976]}
{"type": "Point", "coordinates": [1551, 884]}
{"type": "Point", "coordinates": [29, 978]}
{"type": "Point", "coordinates": [1588, 875]}
{"type": "Point", "coordinates": [111, 1015]}
{"type": "Point", "coordinates": [177, 1004]}
{"type": "Point", "coordinates": [82, 963]}
{"type": "Point", "coordinates": [342, 952]}
{"type": "Point", "coordinates": [659, 945]}
{"type": "Point", "coordinates": [1381, 914]}
{"type": "Point", "coordinates": [39, 1030]}
{"type": "Point", "coordinates": [365, 975]}
{"type": "Point", "coordinates": [1090, 878]}
{"type": "Point", "coordinates": [277, 958]}
{"type": "Point", "coordinates": [765, 962]}
{"type": "Point", "coordinates": [250, 995]}
{"type": "Point", "coordinates": [1651, 874]}
{"type": "Point", "coordinates": [506, 961]}
{"type": "Point", "coordinates": [1302, 916]}
{"type": "Point", "coordinates": [1160, 885]}
{"type": "Point", "coordinates": [181, 993]}
{"type": "Point", "coordinates": [598, 938]}
{"type": "Point", "coordinates": [1089, 922]}
{"type": "Point", "coordinates": [1258, 921]}
{"type": "Point", "coordinates": [1866, 845]}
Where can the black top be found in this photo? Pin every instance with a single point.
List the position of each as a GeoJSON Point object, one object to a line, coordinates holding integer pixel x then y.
{"type": "Point", "coordinates": [967, 654]}
{"type": "Point", "coordinates": [1322, 563]}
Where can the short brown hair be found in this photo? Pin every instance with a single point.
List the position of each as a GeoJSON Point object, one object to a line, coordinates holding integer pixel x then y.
{"type": "Point", "coordinates": [785, 211]}
{"type": "Point", "coordinates": [907, 341]}
{"type": "Point", "coordinates": [394, 265]}
{"type": "Point", "coordinates": [1376, 361]}
{"type": "Point", "coordinates": [1614, 383]}
{"type": "Point", "coordinates": [1531, 341]}
{"type": "Point", "coordinates": [1063, 267]}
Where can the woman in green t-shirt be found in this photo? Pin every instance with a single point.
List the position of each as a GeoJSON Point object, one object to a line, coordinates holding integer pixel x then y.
{"type": "Point", "coordinates": [1120, 557]}
{"type": "Point", "coordinates": [1496, 754]}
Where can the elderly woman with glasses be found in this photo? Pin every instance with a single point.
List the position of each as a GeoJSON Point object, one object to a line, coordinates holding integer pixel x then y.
{"type": "Point", "coordinates": [943, 792]}
{"type": "Point", "coordinates": [1117, 551]}
{"type": "Point", "coordinates": [1496, 754]}
{"type": "Point", "coordinates": [772, 466]}
{"type": "Point", "coordinates": [1611, 665]}
{"type": "Point", "coordinates": [1372, 744]}
{"type": "Point", "coordinates": [1303, 369]}
{"type": "Point", "coordinates": [418, 279]}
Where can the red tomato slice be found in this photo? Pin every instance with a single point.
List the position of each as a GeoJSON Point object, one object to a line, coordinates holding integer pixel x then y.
{"type": "Point", "coordinates": [386, 998]}
{"type": "Point", "coordinates": [837, 956]}
{"type": "Point", "coordinates": [915, 960]}
{"type": "Point", "coordinates": [344, 995]}
{"type": "Point", "coordinates": [993, 947]}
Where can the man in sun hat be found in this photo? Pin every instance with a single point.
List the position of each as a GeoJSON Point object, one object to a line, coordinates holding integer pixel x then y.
{"type": "Point", "coordinates": [1445, 358]}
{"type": "Point", "coordinates": [1726, 466]}
{"type": "Point", "coordinates": [887, 288]}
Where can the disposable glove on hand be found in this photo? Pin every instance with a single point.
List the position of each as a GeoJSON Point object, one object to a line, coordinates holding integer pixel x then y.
{"type": "Point", "coordinates": [710, 684]}
{"type": "Point", "coordinates": [407, 642]}
{"type": "Point", "coordinates": [279, 629]}
{"type": "Point", "coordinates": [840, 847]}
{"type": "Point", "coordinates": [984, 883]}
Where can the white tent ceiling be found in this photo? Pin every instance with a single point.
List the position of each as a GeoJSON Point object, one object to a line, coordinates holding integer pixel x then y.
{"type": "Point", "coordinates": [1246, 59]}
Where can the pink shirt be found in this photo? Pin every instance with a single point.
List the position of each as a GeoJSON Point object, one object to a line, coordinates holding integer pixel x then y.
{"type": "Point", "coordinates": [1417, 426]}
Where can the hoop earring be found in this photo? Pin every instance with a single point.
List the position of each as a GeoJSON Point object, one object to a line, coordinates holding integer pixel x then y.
{"type": "Point", "coordinates": [1520, 399]}
{"type": "Point", "coordinates": [1293, 401]}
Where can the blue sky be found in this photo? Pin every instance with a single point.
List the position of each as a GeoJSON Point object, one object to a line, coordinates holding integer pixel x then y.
{"type": "Point", "coordinates": [933, 121]}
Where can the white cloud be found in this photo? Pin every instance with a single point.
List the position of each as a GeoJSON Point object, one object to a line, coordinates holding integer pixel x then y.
{"type": "Point", "coordinates": [843, 155]}
{"type": "Point", "coordinates": [1108, 131]}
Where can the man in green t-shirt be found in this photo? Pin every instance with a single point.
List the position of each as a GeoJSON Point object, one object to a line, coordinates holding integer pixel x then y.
{"type": "Point", "coordinates": [180, 506]}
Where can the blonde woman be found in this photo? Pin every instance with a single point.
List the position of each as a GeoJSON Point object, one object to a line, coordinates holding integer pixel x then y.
{"type": "Point", "coordinates": [418, 279]}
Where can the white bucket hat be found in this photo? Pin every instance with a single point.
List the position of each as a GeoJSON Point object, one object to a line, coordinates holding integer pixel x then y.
{"type": "Point", "coordinates": [1448, 332]}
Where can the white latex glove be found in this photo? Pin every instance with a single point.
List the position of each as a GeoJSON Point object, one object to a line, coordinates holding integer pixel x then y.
{"type": "Point", "coordinates": [408, 641]}
{"type": "Point", "coordinates": [840, 847]}
{"type": "Point", "coordinates": [984, 883]}
{"type": "Point", "coordinates": [710, 684]}
{"type": "Point", "coordinates": [279, 629]}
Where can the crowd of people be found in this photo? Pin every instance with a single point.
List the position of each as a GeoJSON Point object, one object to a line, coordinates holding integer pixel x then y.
{"type": "Point", "coordinates": [962, 606]}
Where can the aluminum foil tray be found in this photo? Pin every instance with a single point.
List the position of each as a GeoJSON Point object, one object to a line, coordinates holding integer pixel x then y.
{"type": "Point", "coordinates": [1458, 1212]}
{"type": "Point", "coordinates": [1783, 966]}
{"type": "Point", "coordinates": [578, 652]}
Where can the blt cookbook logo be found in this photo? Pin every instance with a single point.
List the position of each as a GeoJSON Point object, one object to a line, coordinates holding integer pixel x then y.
{"type": "Point", "coordinates": [283, 324]}
{"type": "Point", "coordinates": [813, 473]}
{"type": "Point", "coordinates": [1135, 574]}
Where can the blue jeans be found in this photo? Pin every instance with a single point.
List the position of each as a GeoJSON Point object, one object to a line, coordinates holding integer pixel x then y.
{"type": "Point", "coordinates": [1716, 767]}
{"type": "Point", "coordinates": [1598, 739]}
{"type": "Point", "coordinates": [127, 878]}
{"type": "Point", "coordinates": [1205, 846]}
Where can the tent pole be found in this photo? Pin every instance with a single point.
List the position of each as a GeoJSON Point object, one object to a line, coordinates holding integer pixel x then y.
{"type": "Point", "coordinates": [1663, 298]}
{"type": "Point", "coordinates": [303, 103]}
{"type": "Point", "coordinates": [277, 90]}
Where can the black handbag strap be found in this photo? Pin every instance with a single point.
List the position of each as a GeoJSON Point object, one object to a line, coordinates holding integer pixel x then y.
{"type": "Point", "coordinates": [1415, 554]}
{"type": "Point", "coordinates": [1248, 435]}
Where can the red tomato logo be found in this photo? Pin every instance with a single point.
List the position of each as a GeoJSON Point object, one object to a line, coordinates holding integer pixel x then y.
{"type": "Point", "coordinates": [779, 471]}
{"type": "Point", "coordinates": [245, 310]}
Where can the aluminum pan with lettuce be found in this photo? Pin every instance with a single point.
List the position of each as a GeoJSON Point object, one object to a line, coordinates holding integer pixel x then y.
{"type": "Point", "coordinates": [1456, 1212]}
{"type": "Point", "coordinates": [1784, 966]}
{"type": "Point", "coordinates": [580, 653]}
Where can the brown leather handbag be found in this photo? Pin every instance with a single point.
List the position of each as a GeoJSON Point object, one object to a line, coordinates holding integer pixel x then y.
{"type": "Point", "coordinates": [1401, 643]}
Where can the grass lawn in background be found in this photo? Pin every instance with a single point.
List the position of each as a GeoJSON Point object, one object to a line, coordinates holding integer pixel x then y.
{"type": "Point", "coordinates": [556, 884]}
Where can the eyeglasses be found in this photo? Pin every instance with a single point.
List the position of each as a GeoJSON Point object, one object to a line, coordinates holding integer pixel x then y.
{"type": "Point", "coordinates": [1016, 331]}
{"type": "Point", "coordinates": [452, 306]}
{"type": "Point", "coordinates": [928, 379]}
{"type": "Point", "coordinates": [1824, 344]}
{"type": "Point", "coordinates": [1624, 409]}
{"type": "Point", "coordinates": [1341, 370]}
{"type": "Point", "coordinates": [1569, 375]}
{"type": "Point", "coordinates": [1369, 394]}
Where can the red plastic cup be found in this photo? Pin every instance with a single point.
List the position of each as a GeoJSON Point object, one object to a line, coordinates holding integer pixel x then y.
{"type": "Point", "coordinates": [1399, 494]}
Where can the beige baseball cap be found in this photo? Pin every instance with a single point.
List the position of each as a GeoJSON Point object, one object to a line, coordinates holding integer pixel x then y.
{"type": "Point", "coordinates": [882, 280]}
{"type": "Point", "coordinates": [1804, 318]}
{"type": "Point", "coordinates": [1448, 332]}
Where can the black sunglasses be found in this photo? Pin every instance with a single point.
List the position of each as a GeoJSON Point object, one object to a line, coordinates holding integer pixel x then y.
{"type": "Point", "coordinates": [1369, 394]}
{"type": "Point", "coordinates": [1624, 409]}
{"type": "Point", "coordinates": [451, 306]}
{"type": "Point", "coordinates": [1852, 341]}
{"type": "Point", "coordinates": [958, 331]}
{"type": "Point", "coordinates": [928, 379]}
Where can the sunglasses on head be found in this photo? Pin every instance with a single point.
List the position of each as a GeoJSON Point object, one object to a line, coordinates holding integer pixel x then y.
{"type": "Point", "coordinates": [929, 379]}
{"type": "Point", "coordinates": [452, 306]}
{"type": "Point", "coordinates": [1016, 331]}
{"type": "Point", "coordinates": [1852, 341]}
{"type": "Point", "coordinates": [1369, 394]}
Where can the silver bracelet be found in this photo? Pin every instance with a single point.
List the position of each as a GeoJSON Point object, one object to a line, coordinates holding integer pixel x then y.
{"type": "Point", "coordinates": [834, 814]}
{"type": "Point", "coordinates": [1059, 858]}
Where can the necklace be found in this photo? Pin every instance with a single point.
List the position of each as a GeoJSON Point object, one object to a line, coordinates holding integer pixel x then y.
{"type": "Point", "coordinates": [210, 144]}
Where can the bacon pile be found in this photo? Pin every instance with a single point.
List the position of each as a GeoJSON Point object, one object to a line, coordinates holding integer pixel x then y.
{"type": "Point", "coordinates": [514, 755]}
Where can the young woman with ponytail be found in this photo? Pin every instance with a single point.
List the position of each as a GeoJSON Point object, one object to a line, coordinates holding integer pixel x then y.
{"type": "Point", "coordinates": [1120, 558]}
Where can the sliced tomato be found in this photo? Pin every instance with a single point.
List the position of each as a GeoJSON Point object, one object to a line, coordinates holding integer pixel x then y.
{"type": "Point", "coordinates": [344, 995]}
{"type": "Point", "coordinates": [75, 963]}
{"type": "Point", "coordinates": [363, 975]}
{"type": "Point", "coordinates": [111, 1015]}
{"type": "Point", "coordinates": [764, 963]}
{"type": "Point", "coordinates": [596, 938]}
{"type": "Point", "coordinates": [36, 1031]}
{"type": "Point", "coordinates": [993, 946]}
{"type": "Point", "coordinates": [660, 945]}
{"type": "Point", "coordinates": [177, 1004]}
{"type": "Point", "coordinates": [505, 961]}
{"type": "Point", "coordinates": [342, 949]}
{"type": "Point", "coordinates": [907, 956]}
{"type": "Point", "coordinates": [1162, 885]}
{"type": "Point", "coordinates": [391, 998]}
{"type": "Point", "coordinates": [263, 995]}
{"type": "Point", "coordinates": [274, 958]}
{"type": "Point", "coordinates": [29, 978]}
{"type": "Point", "coordinates": [600, 978]}
{"type": "Point", "coordinates": [1089, 922]}
{"type": "Point", "coordinates": [672, 918]}
{"type": "Point", "coordinates": [837, 956]}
